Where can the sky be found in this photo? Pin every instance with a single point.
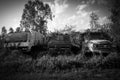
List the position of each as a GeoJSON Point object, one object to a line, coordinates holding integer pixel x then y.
{"type": "Point", "coordinates": [67, 12]}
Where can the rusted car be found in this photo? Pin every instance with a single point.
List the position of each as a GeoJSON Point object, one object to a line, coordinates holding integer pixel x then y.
{"type": "Point", "coordinates": [60, 44]}
{"type": "Point", "coordinates": [97, 43]}
{"type": "Point", "coordinates": [25, 41]}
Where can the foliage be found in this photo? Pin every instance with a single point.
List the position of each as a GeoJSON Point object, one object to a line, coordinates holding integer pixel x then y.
{"type": "Point", "coordinates": [115, 10]}
{"type": "Point", "coordinates": [94, 21]}
{"type": "Point", "coordinates": [11, 30]}
{"type": "Point", "coordinates": [3, 32]}
{"type": "Point", "coordinates": [115, 19]}
{"type": "Point", "coordinates": [35, 15]}
{"type": "Point", "coordinates": [18, 29]}
{"type": "Point", "coordinates": [106, 28]}
{"type": "Point", "coordinates": [68, 29]}
{"type": "Point", "coordinates": [96, 26]}
{"type": "Point", "coordinates": [111, 61]}
{"type": "Point", "coordinates": [19, 62]}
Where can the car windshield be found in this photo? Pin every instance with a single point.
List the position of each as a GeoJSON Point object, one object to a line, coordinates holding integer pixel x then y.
{"type": "Point", "coordinates": [98, 36]}
{"type": "Point", "coordinates": [63, 38]}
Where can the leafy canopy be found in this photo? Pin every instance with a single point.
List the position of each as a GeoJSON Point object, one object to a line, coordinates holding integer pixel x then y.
{"type": "Point", "coordinates": [35, 15]}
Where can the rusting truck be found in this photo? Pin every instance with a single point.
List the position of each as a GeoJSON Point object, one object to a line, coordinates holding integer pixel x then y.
{"type": "Point", "coordinates": [97, 43]}
{"type": "Point", "coordinates": [60, 44]}
{"type": "Point", "coordinates": [25, 41]}
{"type": "Point", "coordinates": [64, 44]}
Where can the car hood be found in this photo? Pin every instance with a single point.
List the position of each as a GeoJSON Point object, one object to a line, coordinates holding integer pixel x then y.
{"type": "Point", "coordinates": [100, 41]}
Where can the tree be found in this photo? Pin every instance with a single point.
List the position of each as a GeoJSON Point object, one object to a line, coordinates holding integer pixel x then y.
{"type": "Point", "coordinates": [115, 18]}
{"type": "Point", "coordinates": [107, 28]}
{"type": "Point", "coordinates": [4, 31]}
{"type": "Point", "coordinates": [18, 29]}
{"type": "Point", "coordinates": [11, 30]}
{"type": "Point", "coordinates": [35, 15]}
{"type": "Point", "coordinates": [69, 29]}
{"type": "Point", "coordinates": [94, 21]}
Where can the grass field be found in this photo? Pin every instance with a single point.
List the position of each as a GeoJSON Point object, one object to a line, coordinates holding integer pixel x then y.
{"type": "Point", "coordinates": [18, 66]}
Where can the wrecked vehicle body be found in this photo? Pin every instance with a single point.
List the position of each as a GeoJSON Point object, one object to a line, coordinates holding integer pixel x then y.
{"type": "Point", "coordinates": [97, 43]}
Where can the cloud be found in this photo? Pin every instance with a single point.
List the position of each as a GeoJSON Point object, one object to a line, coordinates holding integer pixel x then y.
{"type": "Point", "coordinates": [80, 19]}
{"type": "Point", "coordinates": [80, 8]}
{"type": "Point", "coordinates": [58, 8]}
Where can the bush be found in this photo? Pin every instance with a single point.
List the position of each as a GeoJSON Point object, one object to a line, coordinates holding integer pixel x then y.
{"type": "Point", "coordinates": [47, 63]}
{"type": "Point", "coordinates": [111, 61]}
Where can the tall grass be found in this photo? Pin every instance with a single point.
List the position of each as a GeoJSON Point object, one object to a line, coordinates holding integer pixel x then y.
{"type": "Point", "coordinates": [47, 63]}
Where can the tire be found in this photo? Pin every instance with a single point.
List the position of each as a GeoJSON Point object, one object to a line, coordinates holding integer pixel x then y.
{"type": "Point", "coordinates": [51, 51]}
